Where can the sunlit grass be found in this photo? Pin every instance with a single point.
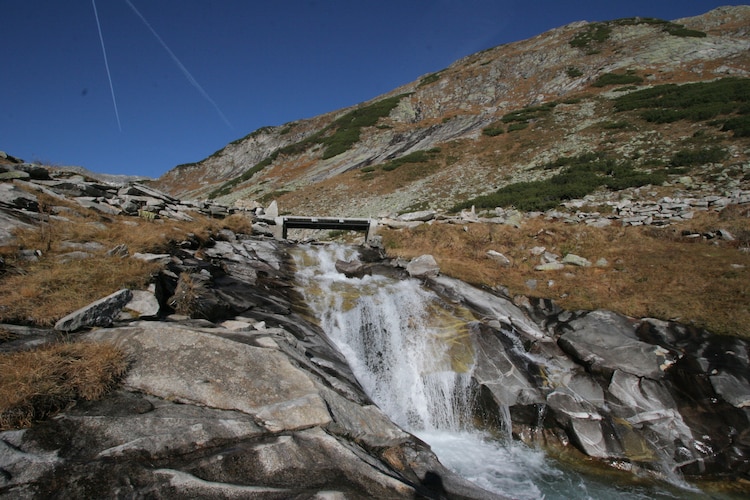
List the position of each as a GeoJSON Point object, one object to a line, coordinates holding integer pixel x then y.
{"type": "Point", "coordinates": [650, 272]}
{"type": "Point", "coordinates": [36, 384]}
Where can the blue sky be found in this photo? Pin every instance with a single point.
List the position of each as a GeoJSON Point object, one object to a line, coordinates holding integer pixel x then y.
{"type": "Point", "coordinates": [207, 72]}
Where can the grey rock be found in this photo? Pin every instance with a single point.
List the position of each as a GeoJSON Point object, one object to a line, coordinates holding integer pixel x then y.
{"type": "Point", "coordinates": [13, 197]}
{"type": "Point", "coordinates": [120, 250]}
{"type": "Point", "coordinates": [550, 266]}
{"type": "Point", "coordinates": [272, 211]}
{"type": "Point", "coordinates": [353, 268]}
{"type": "Point", "coordinates": [605, 341]}
{"type": "Point", "coordinates": [99, 313]}
{"type": "Point", "coordinates": [499, 258]}
{"type": "Point", "coordinates": [422, 216]}
{"type": "Point", "coordinates": [14, 174]}
{"type": "Point", "coordinates": [36, 172]}
{"type": "Point", "coordinates": [732, 388]}
{"type": "Point", "coordinates": [423, 266]}
{"type": "Point", "coordinates": [576, 260]}
{"type": "Point", "coordinates": [101, 207]}
{"type": "Point", "coordinates": [162, 258]}
{"type": "Point", "coordinates": [181, 364]}
{"type": "Point", "coordinates": [75, 255]}
{"type": "Point", "coordinates": [89, 246]}
{"type": "Point", "coordinates": [144, 304]}
{"type": "Point", "coordinates": [726, 235]}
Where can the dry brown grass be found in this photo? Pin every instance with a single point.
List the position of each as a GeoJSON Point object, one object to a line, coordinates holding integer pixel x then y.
{"type": "Point", "coordinates": [42, 292]}
{"type": "Point", "coordinates": [35, 384]}
{"type": "Point", "coordinates": [49, 290]}
{"type": "Point", "coordinates": [650, 272]}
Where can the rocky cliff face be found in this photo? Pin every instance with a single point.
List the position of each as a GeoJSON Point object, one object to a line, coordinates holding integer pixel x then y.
{"type": "Point", "coordinates": [448, 113]}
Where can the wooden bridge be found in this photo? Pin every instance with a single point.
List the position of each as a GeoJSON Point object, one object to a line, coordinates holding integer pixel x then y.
{"type": "Point", "coordinates": [285, 223]}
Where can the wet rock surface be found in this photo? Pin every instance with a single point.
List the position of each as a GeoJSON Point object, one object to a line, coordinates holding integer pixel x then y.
{"type": "Point", "coordinates": [654, 395]}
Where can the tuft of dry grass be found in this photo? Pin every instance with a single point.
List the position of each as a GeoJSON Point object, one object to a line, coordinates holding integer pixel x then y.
{"type": "Point", "coordinates": [6, 335]}
{"type": "Point", "coordinates": [650, 272]}
{"type": "Point", "coordinates": [187, 295]}
{"type": "Point", "coordinates": [49, 290]}
{"type": "Point", "coordinates": [36, 384]}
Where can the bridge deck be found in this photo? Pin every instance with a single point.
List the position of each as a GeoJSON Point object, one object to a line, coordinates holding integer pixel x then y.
{"type": "Point", "coordinates": [334, 223]}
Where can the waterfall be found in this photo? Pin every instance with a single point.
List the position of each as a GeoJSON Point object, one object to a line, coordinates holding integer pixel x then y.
{"type": "Point", "coordinates": [412, 353]}
{"type": "Point", "coordinates": [396, 341]}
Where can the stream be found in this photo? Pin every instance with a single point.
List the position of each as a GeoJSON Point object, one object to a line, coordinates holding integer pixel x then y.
{"type": "Point", "coordinates": [412, 353]}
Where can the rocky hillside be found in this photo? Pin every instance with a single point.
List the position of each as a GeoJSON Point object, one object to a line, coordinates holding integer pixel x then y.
{"type": "Point", "coordinates": [520, 112]}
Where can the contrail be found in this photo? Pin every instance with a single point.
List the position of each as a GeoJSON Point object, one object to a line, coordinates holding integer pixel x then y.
{"type": "Point", "coordinates": [106, 65]}
{"type": "Point", "coordinates": [179, 64]}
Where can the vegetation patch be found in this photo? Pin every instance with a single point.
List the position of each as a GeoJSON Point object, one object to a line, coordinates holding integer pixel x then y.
{"type": "Point", "coordinates": [517, 126]}
{"type": "Point", "coordinates": [616, 125]}
{"type": "Point", "coordinates": [36, 384]}
{"type": "Point", "coordinates": [617, 79]}
{"type": "Point", "coordinates": [421, 156]}
{"type": "Point", "coordinates": [518, 120]}
{"type": "Point", "coordinates": [431, 78]}
{"type": "Point", "coordinates": [529, 113]}
{"type": "Point", "coordinates": [497, 128]}
{"type": "Point", "coordinates": [728, 98]}
{"type": "Point", "coordinates": [347, 129]}
{"type": "Point", "coordinates": [692, 158]}
{"type": "Point", "coordinates": [573, 72]}
{"type": "Point", "coordinates": [593, 33]}
{"type": "Point", "coordinates": [578, 177]}
{"type": "Point", "coordinates": [596, 33]}
{"type": "Point", "coordinates": [336, 138]}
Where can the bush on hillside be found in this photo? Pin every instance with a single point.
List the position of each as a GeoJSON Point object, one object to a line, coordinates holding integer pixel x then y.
{"type": "Point", "coordinates": [579, 176]}
{"type": "Point", "coordinates": [617, 79]}
{"type": "Point", "coordinates": [693, 101]}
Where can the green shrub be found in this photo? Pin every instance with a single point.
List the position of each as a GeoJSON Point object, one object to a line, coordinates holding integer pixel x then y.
{"type": "Point", "coordinates": [694, 101]}
{"type": "Point", "coordinates": [337, 138]}
{"type": "Point", "coordinates": [680, 30]}
{"type": "Point", "coordinates": [529, 113]}
{"type": "Point", "coordinates": [579, 176]}
{"type": "Point", "coordinates": [618, 125]}
{"type": "Point", "coordinates": [617, 79]}
{"type": "Point", "coordinates": [414, 157]}
{"type": "Point", "coordinates": [740, 125]}
{"type": "Point", "coordinates": [431, 78]}
{"type": "Point", "coordinates": [493, 130]}
{"type": "Point", "coordinates": [573, 72]}
{"type": "Point", "coordinates": [593, 33]}
{"type": "Point", "coordinates": [690, 158]}
{"type": "Point", "coordinates": [517, 126]}
{"type": "Point", "coordinates": [348, 127]}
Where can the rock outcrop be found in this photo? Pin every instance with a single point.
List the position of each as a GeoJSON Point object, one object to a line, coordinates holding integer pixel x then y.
{"type": "Point", "coordinates": [245, 399]}
{"type": "Point", "coordinates": [646, 393]}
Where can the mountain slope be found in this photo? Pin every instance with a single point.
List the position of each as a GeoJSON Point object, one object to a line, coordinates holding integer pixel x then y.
{"type": "Point", "coordinates": [493, 119]}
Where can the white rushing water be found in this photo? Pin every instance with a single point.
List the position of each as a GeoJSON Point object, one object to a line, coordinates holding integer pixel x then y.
{"type": "Point", "coordinates": [412, 354]}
